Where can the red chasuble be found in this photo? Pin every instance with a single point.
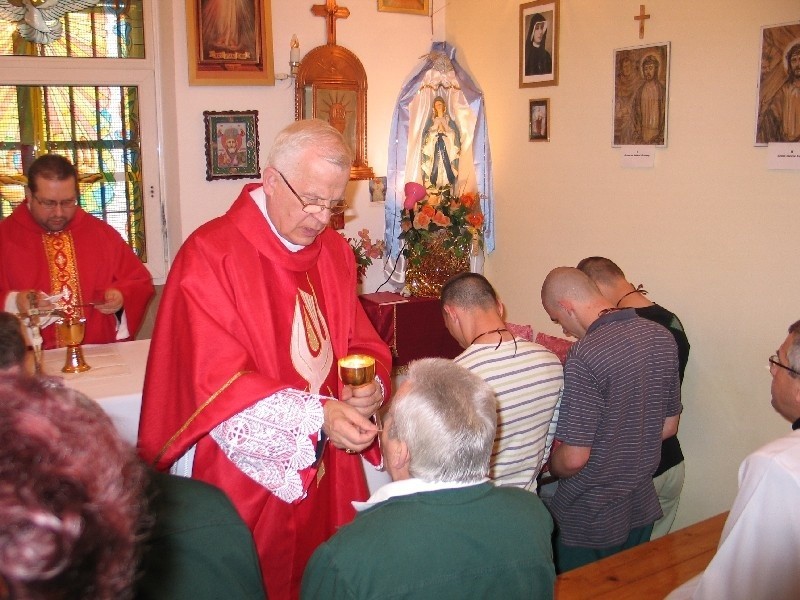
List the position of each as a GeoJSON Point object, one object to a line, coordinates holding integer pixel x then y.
{"type": "Point", "coordinates": [82, 261]}
{"type": "Point", "coordinates": [241, 318]}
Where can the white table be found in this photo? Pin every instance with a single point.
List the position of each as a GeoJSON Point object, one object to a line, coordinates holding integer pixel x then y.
{"type": "Point", "coordinates": [115, 380]}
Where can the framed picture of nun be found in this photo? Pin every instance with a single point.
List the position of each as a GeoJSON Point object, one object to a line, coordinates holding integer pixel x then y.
{"type": "Point", "coordinates": [538, 43]}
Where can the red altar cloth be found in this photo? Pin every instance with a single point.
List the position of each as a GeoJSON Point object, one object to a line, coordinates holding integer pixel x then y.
{"type": "Point", "coordinates": [412, 327]}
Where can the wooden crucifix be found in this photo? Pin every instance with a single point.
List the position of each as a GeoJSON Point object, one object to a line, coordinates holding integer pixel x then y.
{"type": "Point", "coordinates": [331, 11]}
{"type": "Point", "coordinates": [641, 17]}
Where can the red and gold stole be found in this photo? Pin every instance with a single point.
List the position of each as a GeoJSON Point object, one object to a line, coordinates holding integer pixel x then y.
{"type": "Point", "coordinates": [60, 252]}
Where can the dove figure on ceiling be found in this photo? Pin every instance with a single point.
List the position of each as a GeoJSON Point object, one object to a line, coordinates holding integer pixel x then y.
{"type": "Point", "coordinates": [39, 21]}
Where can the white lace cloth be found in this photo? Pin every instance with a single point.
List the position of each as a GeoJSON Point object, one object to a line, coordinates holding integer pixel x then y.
{"type": "Point", "coordinates": [269, 441]}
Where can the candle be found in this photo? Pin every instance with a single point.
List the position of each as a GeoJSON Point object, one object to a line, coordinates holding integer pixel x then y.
{"type": "Point", "coordinates": [294, 52]}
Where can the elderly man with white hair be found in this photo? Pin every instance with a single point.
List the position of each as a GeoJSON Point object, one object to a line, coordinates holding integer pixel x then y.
{"type": "Point", "coordinates": [440, 529]}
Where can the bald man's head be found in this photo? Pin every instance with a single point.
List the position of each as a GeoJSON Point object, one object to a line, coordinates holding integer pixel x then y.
{"type": "Point", "coordinates": [572, 300]}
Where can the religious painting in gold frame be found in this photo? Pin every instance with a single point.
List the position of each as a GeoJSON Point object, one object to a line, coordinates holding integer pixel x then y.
{"type": "Point", "coordinates": [539, 120]}
{"type": "Point", "coordinates": [538, 43]}
{"type": "Point", "coordinates": [331, 85]}
{"type": "Point", "coordinates": [230, 51]}
{"type": "Point", "coordinates": [412, 7]}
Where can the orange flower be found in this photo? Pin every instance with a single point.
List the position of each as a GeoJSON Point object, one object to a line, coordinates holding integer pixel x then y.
{"type": "Point", "coordinates": [428, 210]}
{"type": "Point", "coordinates": [475, 219]}
{"type": "Point", "coordinates": [441, 219]}
{"type": "Point", "coordinates": [422, 220]}
{"type": "Point", "coordinates": [468, 199]}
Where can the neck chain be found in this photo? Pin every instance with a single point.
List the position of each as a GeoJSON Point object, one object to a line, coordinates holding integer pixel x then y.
{"type": "Point", "coordinates": [499, 331]}
{"type": "Point", "coordinates": [639, 288]}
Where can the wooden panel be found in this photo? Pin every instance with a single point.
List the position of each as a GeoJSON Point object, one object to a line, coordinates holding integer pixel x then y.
{"type": "Point", "coordinates": [651, 570]}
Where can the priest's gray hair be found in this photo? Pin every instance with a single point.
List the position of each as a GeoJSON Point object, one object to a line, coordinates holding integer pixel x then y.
{"type": "Point", "coordinates": [291, 143]}
{"type": "Point", "coordinates": [448, 417]}
{"type": "Point", "coordinates": [793, 355]}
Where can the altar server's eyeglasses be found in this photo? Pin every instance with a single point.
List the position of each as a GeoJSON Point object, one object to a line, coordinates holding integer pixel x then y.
{"type": "Point", "coordinates": [316, 206]}
{"type": "Point", "coordinates": [52, 204]}
{"type": "Point", "coordinates": [774, 360]}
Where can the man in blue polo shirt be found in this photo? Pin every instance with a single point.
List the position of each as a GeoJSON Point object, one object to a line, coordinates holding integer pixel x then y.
{"type": "Point", "coordinates": [621, 398]}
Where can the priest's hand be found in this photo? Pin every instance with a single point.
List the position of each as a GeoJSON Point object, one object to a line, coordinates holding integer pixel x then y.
{"type": "Point", "coordinates": [113, 302]}
{"type": "Point", "coordinates": [24, 301]}
{"type": "Point", "coordinates": [366, 399]}
{"type": "Point", "coordinates": [346, 428]}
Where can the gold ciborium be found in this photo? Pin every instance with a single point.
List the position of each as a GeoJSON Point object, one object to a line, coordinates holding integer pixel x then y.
{"type": "Point", "coordinates": [71, 331]}
{"type": "Point", "coordinates": [357, 369]}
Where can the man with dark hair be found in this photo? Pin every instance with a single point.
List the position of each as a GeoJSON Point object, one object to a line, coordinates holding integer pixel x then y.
{"type": "Point", "coordinates": [12, 344]}
{"type": "Point", "coordinates": [621, 398]}
{"type": "Point", "coordinates": [611, 282]}
{"type": "Point", "coordinates": [537, 59]}
{"type": "Point", "coordinates": [526, 377]}
{"type": "Point", "coordinates": [62, 257]}
{"type": "Point", "coordinates": [757, 555]}
{"type": "Point", "coordinates": [780, 117]}
{"type": "Point", "coordinates": [440, 528]}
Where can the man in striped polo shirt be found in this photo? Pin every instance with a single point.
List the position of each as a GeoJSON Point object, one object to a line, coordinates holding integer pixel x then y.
{"type": "Point", "coordinates": [526, 377]}
{"type": "Point", "coordinates": [621, 398]}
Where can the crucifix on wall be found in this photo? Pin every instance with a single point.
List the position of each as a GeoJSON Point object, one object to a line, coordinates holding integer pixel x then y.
{"type": "Point", "coordinates": [331, 11]}
{"type": "Point", "coordinates": [641, 17]}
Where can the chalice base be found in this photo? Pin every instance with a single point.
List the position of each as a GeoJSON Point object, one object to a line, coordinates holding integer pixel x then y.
{"type": "Point", "coordinates": [75, 362]}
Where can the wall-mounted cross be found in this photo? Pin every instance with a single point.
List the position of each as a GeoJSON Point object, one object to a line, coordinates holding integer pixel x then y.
{"type": "Point", "coordinates": [331, 12]}
{"type": "Point", "coordinates": [641, 17]}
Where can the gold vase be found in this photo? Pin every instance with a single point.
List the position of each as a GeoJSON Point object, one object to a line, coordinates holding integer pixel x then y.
{"type": "Point", "coordinates": [426, 274]}
{"type": "Point", "coordinates": [71, 331]}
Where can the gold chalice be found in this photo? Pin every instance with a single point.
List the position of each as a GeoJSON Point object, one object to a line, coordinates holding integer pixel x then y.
{"type": "Point", "coordinates": [357, 369]}
{"type": "Point", "coordinates": [71, 331]}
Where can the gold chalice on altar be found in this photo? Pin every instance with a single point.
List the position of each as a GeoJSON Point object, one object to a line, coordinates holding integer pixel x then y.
{"type": "Point", "coordinates": [357, 369]}
{"type": "Point", "coordinates": [71, 331]}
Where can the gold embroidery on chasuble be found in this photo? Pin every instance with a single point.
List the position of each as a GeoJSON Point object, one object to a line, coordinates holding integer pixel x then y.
{"type": "Point", "coordinates": [311, 349]}
{"type": "Point", "coordinates": [59, 249]}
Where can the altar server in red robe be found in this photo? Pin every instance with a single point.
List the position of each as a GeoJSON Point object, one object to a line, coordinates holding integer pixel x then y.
{"type": "Point", "coordinates": [241, 387]}
{"type": "Point", "coordinates": [68, 259]}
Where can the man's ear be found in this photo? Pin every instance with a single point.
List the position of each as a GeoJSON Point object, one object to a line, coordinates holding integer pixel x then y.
{"type": "Point", "coordinates": [451, 312]}
{"type": "Point", "coordinates": [401, 457]}
{"type": "Point", "coordinates": [269, 180]}
{"type": "Point", "coordinates": [501, 309]}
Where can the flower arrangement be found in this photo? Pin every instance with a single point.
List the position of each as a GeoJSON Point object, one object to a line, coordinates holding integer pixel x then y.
{"type": "Point", "coordinates": [364, 250]}
{"type": "Point", "coordinates": [425, 213]}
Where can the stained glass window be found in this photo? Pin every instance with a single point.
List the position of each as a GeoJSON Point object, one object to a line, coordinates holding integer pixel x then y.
{"type": "Point", "coordinates": [111, 29]}
{"type": "Point", "coordinates": [95, 126]}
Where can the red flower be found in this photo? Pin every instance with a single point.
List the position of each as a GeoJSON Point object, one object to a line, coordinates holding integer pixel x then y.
{"type": "Point", "coordinates": [441, 219]}
{"type": "Point", "coordinates": [428, 210]}
{"type": "Point", "coordinates": [475, 219]}
{"type": "Point", "coordinates": [422, 220]}
{"type": "Point", "coordinates": [468, 199]}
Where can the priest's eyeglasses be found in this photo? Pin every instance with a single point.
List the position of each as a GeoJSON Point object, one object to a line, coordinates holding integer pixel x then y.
{"type": "Point", "coordinates": [774, 360]}
{"type": "Point", "coordinates": [336, 208]}
{"type": "Point", "coordinates": [52, 204]}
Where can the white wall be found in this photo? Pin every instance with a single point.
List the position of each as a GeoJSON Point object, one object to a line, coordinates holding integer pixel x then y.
{"type": "Point", "coordinates": [710, 231]}
{"type": "Point", "coordinates": [389, 46]}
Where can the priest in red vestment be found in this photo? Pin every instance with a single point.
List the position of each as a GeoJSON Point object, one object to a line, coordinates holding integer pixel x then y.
{"type": "Point", "coordinates": [70, 260]}
{"type": "Point", "coordinates": [241, 386]}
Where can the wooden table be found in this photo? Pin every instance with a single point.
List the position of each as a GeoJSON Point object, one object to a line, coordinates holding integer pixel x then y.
{"type": "Point", "coordinates": [651, 570]}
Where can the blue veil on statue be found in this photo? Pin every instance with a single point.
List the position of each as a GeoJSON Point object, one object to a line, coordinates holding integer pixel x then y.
{"type": "Point", "coordinates": [438, 138]}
